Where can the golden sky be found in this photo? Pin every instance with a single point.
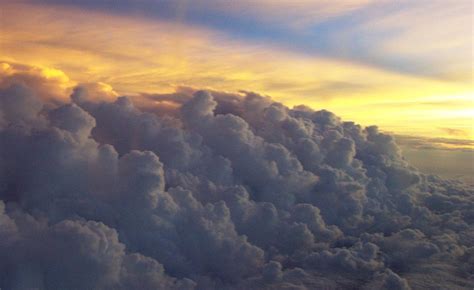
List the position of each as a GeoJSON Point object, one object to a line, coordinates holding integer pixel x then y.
{"type": "Point", "coordinates": [406, 68]}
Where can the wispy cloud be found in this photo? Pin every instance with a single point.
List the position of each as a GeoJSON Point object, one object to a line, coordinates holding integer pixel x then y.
{"type": "Point", "coordinates": [417, 142]}
{"type": "Point", "coordinates": [426, 37]}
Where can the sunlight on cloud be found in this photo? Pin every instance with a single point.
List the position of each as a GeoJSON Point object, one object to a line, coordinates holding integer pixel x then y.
{"type": "Point", "coordinates": [53, 84]}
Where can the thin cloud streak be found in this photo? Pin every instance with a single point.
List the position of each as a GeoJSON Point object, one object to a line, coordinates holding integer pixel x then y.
{"type": "Point", "coordinates": [384, 34]}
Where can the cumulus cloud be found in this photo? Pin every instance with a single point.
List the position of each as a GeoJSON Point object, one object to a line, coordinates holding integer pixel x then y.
{"type": "Point", "coordinates": [219, 191]}
{"type": "Point", "coordinates": [49, 84]}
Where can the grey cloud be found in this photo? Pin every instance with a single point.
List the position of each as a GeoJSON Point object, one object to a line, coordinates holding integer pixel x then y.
{"type": "Point", "coordinates": [18, 106]}
{"type": "Point", "coordinates": [226, 191]}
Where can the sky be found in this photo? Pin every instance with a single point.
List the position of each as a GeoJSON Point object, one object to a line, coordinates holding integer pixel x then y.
{"type": "Point", "coordinates": [405, 66]}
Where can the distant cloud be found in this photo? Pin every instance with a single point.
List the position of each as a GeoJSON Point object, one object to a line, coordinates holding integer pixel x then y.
{"type": "Point", "coordinates": [455, 132]}
{"type": "Point", "coordinates": [416, 142]}
{"type": "Point", "coordinates": [221, 191]}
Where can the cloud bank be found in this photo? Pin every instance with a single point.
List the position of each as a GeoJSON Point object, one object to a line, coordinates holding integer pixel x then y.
{"type": "Point", "coordinates": [218, 191]}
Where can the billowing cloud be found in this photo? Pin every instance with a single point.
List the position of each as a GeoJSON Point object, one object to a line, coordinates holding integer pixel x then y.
{"type": "Point", "coordinates": [50, 84]}
{"type": "Point", "coordinates": [221, 191]}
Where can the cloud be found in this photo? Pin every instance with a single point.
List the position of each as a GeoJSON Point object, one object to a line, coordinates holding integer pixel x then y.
{"type": "Point", "coordinates": [454, 132]}
{"type": "Point", "coordinates": [416, 142]}
{"type": "Point", "coordinates": [377, 33]}
{"type": "Point", "coordinates": [221, 191]}
{"type": "Point", "coordinates": [50, 84]}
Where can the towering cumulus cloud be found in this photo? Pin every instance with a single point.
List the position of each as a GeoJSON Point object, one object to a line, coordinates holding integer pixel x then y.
{"type": "Point", "coordinates": [218, 191]}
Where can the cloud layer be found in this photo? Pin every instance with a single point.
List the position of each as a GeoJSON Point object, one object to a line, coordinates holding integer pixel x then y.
{"type": "Point", "coordinates": [219, 191]}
